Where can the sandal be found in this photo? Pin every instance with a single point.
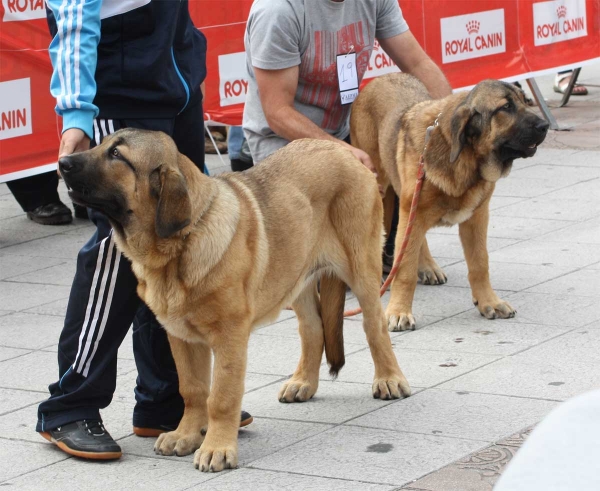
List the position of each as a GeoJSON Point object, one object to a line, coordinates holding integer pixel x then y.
{"type": "Point", "coordinates": [561, 82]}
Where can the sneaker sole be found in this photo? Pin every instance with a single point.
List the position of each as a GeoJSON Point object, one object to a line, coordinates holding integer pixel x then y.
{"type": "Point", "coordinates": [81, 454]}
{"type": "Point", "coordinates": [155, 432]}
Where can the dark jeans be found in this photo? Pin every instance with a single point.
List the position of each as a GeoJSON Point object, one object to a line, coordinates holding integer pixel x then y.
{"type": "Point", "coordinates": [35, 191]}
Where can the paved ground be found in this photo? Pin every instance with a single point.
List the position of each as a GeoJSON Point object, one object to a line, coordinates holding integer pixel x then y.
{"type": "Point", "coordinates": [478, 385]}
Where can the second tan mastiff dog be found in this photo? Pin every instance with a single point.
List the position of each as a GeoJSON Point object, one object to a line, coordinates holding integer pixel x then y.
{"type": "Point", "coordinates": [475, 139]}
{"type": "Point", "coordinates": [217, 257]}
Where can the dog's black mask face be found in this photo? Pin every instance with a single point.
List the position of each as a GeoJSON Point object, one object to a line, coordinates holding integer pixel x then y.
{"type": "Point", "coordinates": [495, 119]}
{"type": "Point", "coordinates": [133, 178]}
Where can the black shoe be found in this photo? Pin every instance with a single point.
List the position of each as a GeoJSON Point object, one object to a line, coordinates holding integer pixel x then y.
{"type": "Point", "coordinates": [153, 431]}
{"type": "Point", "coordinates": [87, 439]}
{"type": "Point", "coordinates": [80, 212]}
{"type": "Point", "coordinates": [51, 214]}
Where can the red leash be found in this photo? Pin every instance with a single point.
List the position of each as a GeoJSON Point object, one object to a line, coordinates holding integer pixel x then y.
{"type": "Point", "coordinates": [409, 226]}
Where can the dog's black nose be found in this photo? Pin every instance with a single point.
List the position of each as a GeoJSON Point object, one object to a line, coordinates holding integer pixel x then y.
{"type": "Point", "coordinates": [542, 126]}
{"type": "Point", "coordinates": [65, 164]}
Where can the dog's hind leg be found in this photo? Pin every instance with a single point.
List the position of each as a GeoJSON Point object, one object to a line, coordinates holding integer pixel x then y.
{"type": "Point", "coordinates": [429, 272]}
{"type": "Point", "coordinates": [303, 384]}
{"type": "Point", "coordinates": [193, 367]}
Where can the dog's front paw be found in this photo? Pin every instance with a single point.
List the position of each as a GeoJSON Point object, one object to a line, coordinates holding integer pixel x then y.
{"type": "Point", "coordinates": [214, 457]}
{"type": "Point", "coordinates": [400, 321]}
{"type": "Point", "coordinates": [177, 443]}
{"type": "Point", "coordinates": [432, 274]}
{"type": "Point", "coordinates": [295, 390]}
{"type": "Point", "coordinates": [394, 387]}
{"type": "Point", "coordinates": [495, 309]}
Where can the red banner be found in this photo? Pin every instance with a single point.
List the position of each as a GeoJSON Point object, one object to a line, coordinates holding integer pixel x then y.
{"type": "Point", "coordinates": [470, 41]}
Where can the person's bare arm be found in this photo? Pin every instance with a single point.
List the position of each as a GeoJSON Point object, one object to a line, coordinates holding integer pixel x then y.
{"type": "Point", "coordinates": [406, 52]}
{"type": "Point", "coordinates": [277, 89]}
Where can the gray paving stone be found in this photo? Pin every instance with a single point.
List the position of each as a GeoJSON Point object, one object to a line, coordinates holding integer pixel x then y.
{"type": "Point", "coordinates": [20, 230]}
{"type": "Point", "coordinates": [61, 274]}
{"type": "Point", "coordinates": [129, 472]}
{"type": "Point", "coordinates": [38, 369]}
{"type": "Point", "coordinates": [261, 438]}
{"type": "Point", "coordinates": [582, 233]}
{"type": "Point", "coordinates": [584, 283]}
{"type": "Point", "coordinates": [458, 414]}
{"type": "Point", "coordinates": [561, 175]}
{"type": "Point", "coordinates": [577, 346]}
{"type": "Point", "coordinates": [448, 245]}
{"type": "Point", "coordinates": [278, 355]}
{"type": "Point", "coordinates": [9, 208]}
{"type": "Point", "coordinates": [422, 368]}
{"type": "Point", "coordinates": [11, 265]}
{"type": "Point", "coordinates": [9, 353]}
{"type": "Point", "coordinates": [520, 187]}
{"type": "Point", "coordinates": [523, 228]}
{"type": "Point", "coordinates": [587, 191]}
{"type": "Point", "coordinates": [498, 202]}
{"type": "Point", "coordinates": [61, 246]}
{"type": "Point", "coordinates": [256, 381]}
{"type": "Point", "coordinates": [567, 255]}
{"type": "Point", "coordinates": [56, 308]}
{"type": "Point", "coordinates": [5, 312]}
{"type": "Point", "coordinates": [369, 455]}
{"type": "Point", "coordinates": [354, 334]}
{"type": "Point", "coordinates": [476, 335]}
{"type": "Point", "coordinates": [508, 276]}
{"type": "Point", "coordinates": [12, 400]}
{"type": "Point", "coordinates": [21, 296]}
{"type": "Point", "coordinates": [334, 402]}
{"type": "Point", "coordinates": [245, 479]}
{"type": "Point", "coordinates": [521, 376]}
{"type": "Point", "coordinates": [552, 310]}
{"type": "Point", "coordinates": [549, 207]}
{"type": "Point", "coordinates": [31, 331]}
{"type": "Point", "coordinates": [14, 465]}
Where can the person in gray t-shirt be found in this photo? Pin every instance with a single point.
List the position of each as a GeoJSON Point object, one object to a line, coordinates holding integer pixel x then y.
{"type": "Point", "coordinates": [292, 49]}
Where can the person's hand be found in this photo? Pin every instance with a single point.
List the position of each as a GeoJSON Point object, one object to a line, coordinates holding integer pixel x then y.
{"type": "Point", "coordinates": [363, 157]}
{"type": "Point", "coordinates": [367, 162]}
{"type": "Point", "coordinates": [73, 140]}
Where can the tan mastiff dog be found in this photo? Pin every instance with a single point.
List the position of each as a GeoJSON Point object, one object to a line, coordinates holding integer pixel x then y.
{"type": "Point", "coordinates": [217, 257]}
{"type": "Point", "coordinates": [477, 136]}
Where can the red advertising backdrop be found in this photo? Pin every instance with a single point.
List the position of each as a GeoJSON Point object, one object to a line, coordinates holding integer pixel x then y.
{"type": "Point", "coordinates": [504, 39]}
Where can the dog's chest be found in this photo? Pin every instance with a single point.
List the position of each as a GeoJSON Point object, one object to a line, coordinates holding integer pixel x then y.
{"type": "Point", "coordinates": [459, 210]}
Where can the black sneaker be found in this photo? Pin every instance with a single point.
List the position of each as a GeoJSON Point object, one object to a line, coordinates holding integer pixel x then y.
{"type": "Point", "coordinates": [51, 214]}
{"type": "Point", "coordinates": [153, 431]}
{"type": "Point", "coordinates": [87, 439]}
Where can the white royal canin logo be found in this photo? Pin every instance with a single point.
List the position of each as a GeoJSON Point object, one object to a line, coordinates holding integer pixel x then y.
{"type": "Point", "coordinates": [15, 108]}
{"type": "Point", "coordinates": [15, 10]}
{"type": "Point", "coordinates": [473, 35]}
{"type": "Point", "coordinates": [379, 63]}
{"type": "Point", "coordinates": [233, 79]}
{"type": "Point", "coordinates": [558, 21]}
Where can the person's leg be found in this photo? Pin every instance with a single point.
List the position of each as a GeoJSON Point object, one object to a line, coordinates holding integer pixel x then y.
{"type": "Point", "coordinates": [239, 156]}
{"type": "Point", "coordinates": [561, 83]}
{"type": "Point", "coordinates": [38, 197]}
{"type": "Point", "coordinates": [101, 307]}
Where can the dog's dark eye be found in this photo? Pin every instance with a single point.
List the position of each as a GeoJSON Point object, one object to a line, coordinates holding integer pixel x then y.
{"type": "Point", "coordinates": [507, 106]}
{"type": "Point", "coordinates": [115, 153]}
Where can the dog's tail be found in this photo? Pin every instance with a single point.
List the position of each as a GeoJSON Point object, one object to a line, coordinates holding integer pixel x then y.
{"type": "Point", "coordinates": [333, 298]}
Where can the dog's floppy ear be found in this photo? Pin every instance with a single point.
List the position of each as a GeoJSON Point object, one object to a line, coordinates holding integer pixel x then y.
{"type": "Point", "coordinates": [174, 208]}
{"type": "Point", "coordinates": [458, 126]}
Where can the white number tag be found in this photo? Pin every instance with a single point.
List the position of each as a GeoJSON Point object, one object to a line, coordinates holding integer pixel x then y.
{"type": "Point", "coordinates": [347, 77]}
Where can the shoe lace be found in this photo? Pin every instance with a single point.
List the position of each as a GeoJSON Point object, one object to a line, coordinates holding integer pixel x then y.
{"type": "Point", "coordinates": [94, 427]}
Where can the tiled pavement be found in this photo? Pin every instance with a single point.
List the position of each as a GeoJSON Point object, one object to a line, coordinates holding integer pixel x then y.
{"type": "Point", "coordinates": [478, 385]}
